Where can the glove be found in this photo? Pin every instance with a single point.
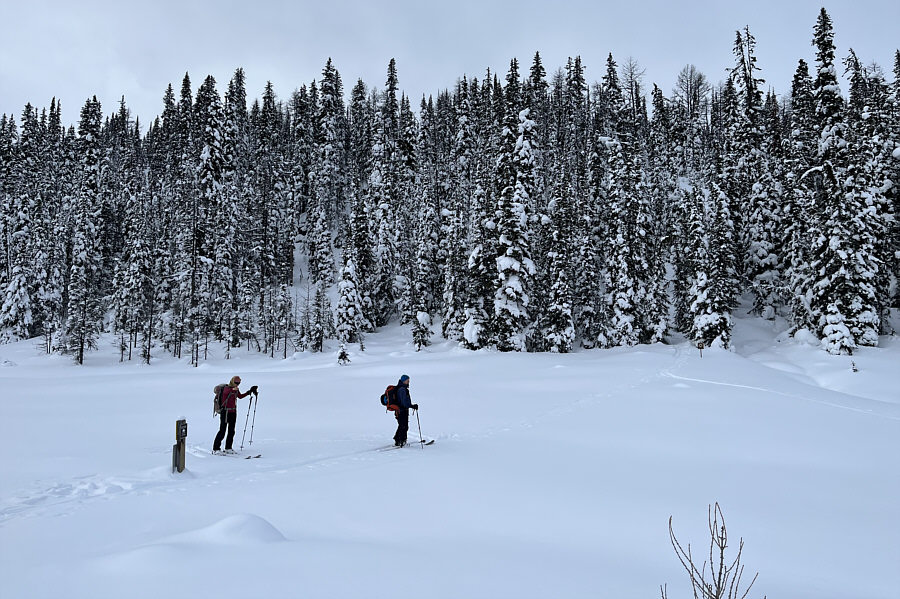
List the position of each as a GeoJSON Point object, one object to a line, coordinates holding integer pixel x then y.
{"type": "Point", "coordinates": [254, 390]}
{"type": "Point", "coordinates": [415, 406]}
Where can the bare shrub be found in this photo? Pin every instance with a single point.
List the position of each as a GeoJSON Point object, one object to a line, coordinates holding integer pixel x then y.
{"type": "Point", "coordinates": [717, 578]}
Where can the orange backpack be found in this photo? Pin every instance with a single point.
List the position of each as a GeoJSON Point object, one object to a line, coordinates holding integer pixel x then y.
{"type": "Point", "coordinates": [389, 399]}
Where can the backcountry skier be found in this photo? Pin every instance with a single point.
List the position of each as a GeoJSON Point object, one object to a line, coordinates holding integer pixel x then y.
{"type": "Point", "coordinates": [230, 394]}
{"type": "Point", "coordinates": [403, 403]}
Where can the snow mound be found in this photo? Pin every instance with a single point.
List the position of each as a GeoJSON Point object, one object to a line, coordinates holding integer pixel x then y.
{"type": "Point", "coordinates": [806, 336]}
{"type": "Point", "coordinates": [239, 529]}
{"type": "Point", "coordinates": [205, 548]}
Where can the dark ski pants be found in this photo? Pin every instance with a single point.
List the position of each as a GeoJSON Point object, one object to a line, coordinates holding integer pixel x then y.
{"type": "Point", "coordinates": [402, 425]}
{"type": "Point", "coordinates": [229, 420]}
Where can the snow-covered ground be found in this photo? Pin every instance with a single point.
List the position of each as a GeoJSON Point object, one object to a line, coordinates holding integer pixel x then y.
{"type": "Point", "coordinates": [552, 475]}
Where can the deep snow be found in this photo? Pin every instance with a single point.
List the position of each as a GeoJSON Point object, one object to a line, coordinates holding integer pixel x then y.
{"type": "Point", "coordinates": [552, 475]}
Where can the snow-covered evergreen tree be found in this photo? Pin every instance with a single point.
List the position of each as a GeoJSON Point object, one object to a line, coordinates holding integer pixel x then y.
{"type": "Point", "coordinates": [52, 223]}
{"type": "Point", "coordinates": [219, 236]}
{"type": "Point", "coordinates": [455, 218]}
{"type": "Point", "coordinates": [84, 321]}
{"type": "Point", "coordinates": [418, 304]}
{"type": "Point", "coordinates": [870, 183]}
{"type": "Point", "coordinates": [359, 249]}
{"type": "Point", "coordinates": [382, 200]}
{"type": "Point", "coordinates": [689, 225]}
{"type": "Point", "coordinates": [481, 267]}
{"type": "Point", "coordinates": [842, 256]}
{"type": "Point", "coordinates": [359, 151]}
{"type": "Point", "coordinates": [628, 254]}
{"type": "Point", "coordinates": [329, 180]}
{"type": "Point", "coordinates": [321, 252]}
{"type": "Point", "coordinates": [519, 178]}
{"type": "Point", "coordinates": [454, 296]}
{"type": "Point", "coordinates": [343, 357]}
{"type": "Point", "coordinates": [723, 268]}
{"type": "Point", "coordinates": [321, 320]}
{"type": "Point", "coordinates": [712, 250]}
{"type": "Point", "coordinates": [893, 244]}
{"type": "Point", "coordinates": [798, 203]}
{"type": "Point", "coordinates": [758, 193]}
{"type": "Point", "coordinates": [349, 315]}
{"type": "Point", "coordinates": [557, 322]}
{"type": "Point", "coordinates": [16, 318]}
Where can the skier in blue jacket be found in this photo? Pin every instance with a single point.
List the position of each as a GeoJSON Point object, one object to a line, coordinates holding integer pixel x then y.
{"type": "Point", "coordinates": [402, 412]}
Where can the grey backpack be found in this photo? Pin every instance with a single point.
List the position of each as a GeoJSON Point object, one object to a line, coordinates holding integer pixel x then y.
{"type": "Point", "coordinates": [217, 398]}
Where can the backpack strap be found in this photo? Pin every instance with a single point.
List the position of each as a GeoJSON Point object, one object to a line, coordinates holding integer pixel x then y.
{"type": "Point", "coordinates": [222, 405]}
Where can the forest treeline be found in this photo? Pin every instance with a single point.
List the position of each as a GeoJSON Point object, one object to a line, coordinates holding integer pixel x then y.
{"type": "Point", "coordinates": [525, 212]}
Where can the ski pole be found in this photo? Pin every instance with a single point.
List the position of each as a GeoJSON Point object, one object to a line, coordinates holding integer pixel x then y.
{"type": "Point", "coordinates": [245, 426]}
{"type": "Point", "coordinates": [253, 424]}
{"type": "Point", "coordinates": [421, 440]}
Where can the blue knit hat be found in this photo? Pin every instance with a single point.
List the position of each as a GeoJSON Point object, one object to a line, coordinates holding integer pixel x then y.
{"type": "Point", "coordinates": [404, 378]}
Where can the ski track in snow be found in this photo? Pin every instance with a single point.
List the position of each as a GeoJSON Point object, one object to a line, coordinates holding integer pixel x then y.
{"type": "Point", "coordinates": [95, 487]}
{"type": "Point", "coordinates": [83, 488]}
{"type": "Point", "coordinates": [824, 402]}
{"type": "Point", "coordinates": [99, 488]}
{"type": "Point", "coordinates": [102, 488]}
{"type": "Point", "coordinates": [792, 371]}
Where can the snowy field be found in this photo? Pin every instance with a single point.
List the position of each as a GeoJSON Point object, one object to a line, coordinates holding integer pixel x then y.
{"type": "Point", "coordinates": [552, 475]}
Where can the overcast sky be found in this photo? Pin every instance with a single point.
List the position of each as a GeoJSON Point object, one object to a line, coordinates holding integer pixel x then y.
{"type": "Point", "coordinates": [73, 50]}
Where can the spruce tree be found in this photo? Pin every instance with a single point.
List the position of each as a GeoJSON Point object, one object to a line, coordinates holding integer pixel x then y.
{"type": "Point", "coordinates": [329, 179]}
{"type": "Point", "coordinates": [558, 325]}
{"type": "Point", "coordinates": [84, 322]}
{"type": "Point", "coordinates": [518, 177]}
{"type": "Point", "coordinates": [841, 254]}
{"type": "Point", "coordinates": [359, 151]}
{"type": "Point", "coordinates": [322, 320]}
{"type": "Point", "coordinates": [52, 219]}
{"type": "Point", "coordinates": [687, 201]}
{"type": "Point", "coordinates": [133, 277]}
{"type": "Point", "coordinates": [360, 249]}
{"type": "Point", "coordinates": [893, 244]}
{"type": "Point", "coordinates": [16, 318]}
{"type": "Point", "coordinates": [349, 314]}
{"type": "Point", "coordinates": [798, 198]}
{"type": "Point", "coordinates": [457, 294]}
{"type": "Point", "coordinates": [723, 267]}
{"type": "Point", "coordinates": [480, 265]}
{"type": "Point", "coordinates": [624, 259]}
{"type": "Point", "coordinates": [454, 287]}
{"type": "Point", "coordinates": [869, 183]}
{"type": "Point", "coordinates": [713, 290]}
{"type": "Point", "coordinates": [419, 304]}
{"type": "Point", "coordinates": [758, 193]}
{"type": "Point", "coordinates": [219, 234]}
{"type": "Point", "coordinates": [384, 226]}
{"type": "Point", "coordinates": [321, 253]}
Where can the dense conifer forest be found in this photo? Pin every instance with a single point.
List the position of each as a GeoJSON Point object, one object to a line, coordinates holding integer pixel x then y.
{"type": "Point", "coordinates": [523, 211]}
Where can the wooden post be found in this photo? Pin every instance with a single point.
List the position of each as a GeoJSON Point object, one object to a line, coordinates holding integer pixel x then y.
{"type": "Point", "coordinates": [178, 449]}
{"type": "Point", "coordinates": [700, 347]}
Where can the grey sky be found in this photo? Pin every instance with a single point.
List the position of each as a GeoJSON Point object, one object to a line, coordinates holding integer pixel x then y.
{"type": "Point", "coordinates": [73, 50]}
